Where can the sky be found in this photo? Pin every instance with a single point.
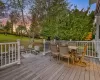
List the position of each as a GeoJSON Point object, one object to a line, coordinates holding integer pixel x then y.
{"type": "Point", "coordinates": [82, 4]}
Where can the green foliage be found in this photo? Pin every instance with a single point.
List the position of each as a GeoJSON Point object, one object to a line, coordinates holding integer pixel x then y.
{"type": "Point", "coordinates": [2, 7]}
{"type": "Point", "coordinates": [65, 23]}
{"type": "Point", "coordinates": [14, 17]}
{"type": "Point", "coordinates": [20, 30]}
{"type": "Point", "coordinates": [8, 27]}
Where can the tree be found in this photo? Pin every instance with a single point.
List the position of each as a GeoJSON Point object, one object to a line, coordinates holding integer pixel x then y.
{"type": "Point", "coordinates": [20, 30]}
{"type": "Point", "coordinates": [14, 17]}
{"type": "Point", "coordinates": [55, 19]}
{"type": "Point", "coordinates": [2, 7]}
{"type": "Point", "coordinates": [20, 5]}
{"type": "Point", "coordinates": [80, 24]}
{"type": "Point", "coordinates": [7, 27]}
{"type": "Point", "coordinates": [65, 23]}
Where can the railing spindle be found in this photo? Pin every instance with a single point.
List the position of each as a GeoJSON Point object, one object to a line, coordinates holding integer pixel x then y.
{"type": "Point", "coordinates": [15, 52]}
{"type": "Point", "coordinates": [9, 52]}
{"type": "Point", "coordinates": [1, 55]}
{"type": "Point", "coordinates": [12, 52]}
{"type": "Point", "coordinates": [5, 53]}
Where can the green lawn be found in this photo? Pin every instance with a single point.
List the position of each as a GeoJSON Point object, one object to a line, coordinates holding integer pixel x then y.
{"type": "Point", "coordinates": [12, 38]}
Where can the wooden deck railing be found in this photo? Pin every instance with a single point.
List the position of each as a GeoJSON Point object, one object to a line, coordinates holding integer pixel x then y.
{"type": "Point", "coordinates": [93, 49]}
{"type": "Point", "coordinates": [9, 53]}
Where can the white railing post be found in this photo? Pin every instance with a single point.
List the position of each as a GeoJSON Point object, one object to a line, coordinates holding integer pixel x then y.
{"type": "Point", "coordinates": [99, 50]}
{"type": "Point", "coordinates": [18, 44]}
{"type": "Point", "coordinates": [44, 46]}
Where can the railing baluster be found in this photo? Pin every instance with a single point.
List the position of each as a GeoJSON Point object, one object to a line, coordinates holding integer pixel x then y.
{"type": "Point", "coordinates": [15, 52]}
{"type": "Point", "coordinates": [9, 52]}
{"type": "Point", "coordinates": [12, 52]}
{"type": "Point", "coordinates": [1, 54]}
{"type": "Point", "coordinates": [92, 50]}
{"type": "Point", "coordinates": [5, 53]}
{"type": "Point", "coordinates": [77, 45]}
{"type": "Point", "coordinates": [95, 47]}
{"type": "Point", "coordinates": [81, 46]}
{"type": "Point", "coordinates": [87, 48]}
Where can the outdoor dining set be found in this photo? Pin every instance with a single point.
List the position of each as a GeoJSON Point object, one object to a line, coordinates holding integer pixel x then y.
{"type": "Point", "coordinates": [69, 51]}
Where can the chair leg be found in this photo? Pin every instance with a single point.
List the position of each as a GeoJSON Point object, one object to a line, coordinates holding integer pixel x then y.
{"type": "Point", "coordinates": [59, 59]}
{"type": "Point", "coordinates": [50, 56]}
{"type": "Point", "coordinates": [68, 61]}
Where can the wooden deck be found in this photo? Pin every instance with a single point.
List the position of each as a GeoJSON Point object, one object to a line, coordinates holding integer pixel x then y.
{"type": "Point", "coordinates": [41, 68]}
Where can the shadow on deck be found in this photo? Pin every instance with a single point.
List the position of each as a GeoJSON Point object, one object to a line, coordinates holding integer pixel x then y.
{"type": "Point", "coordinates": [38, 67]}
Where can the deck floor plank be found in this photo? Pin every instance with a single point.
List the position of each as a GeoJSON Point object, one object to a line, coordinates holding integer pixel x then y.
{"type": "Point", "coordinates": [41, 68]}
{"type": "Point", "coordinates": [33, 74]}
{"type": "Point", "coordinates": [72, 76]}
{"type": "Point", "coordinates": [61, 77]}
{"type": "Point", "coordinates": [20, 68]}
{"type": "Point", "coordinates": [96, 71]}
{"type": "Point", "coordinates": [77, 75]}
{"type": "Point", "coordinates": [69, 73]}
{"type": "Point", "coordinates": [56, 75]}
{"type": "Point", "coordinates": [87, 71]}
{"type": "Point", "coordinates": [51, 72]}
{"type": "Point", "coordinates": [91, 70]}
{"type": "Point", "coordinates": [82, 74]}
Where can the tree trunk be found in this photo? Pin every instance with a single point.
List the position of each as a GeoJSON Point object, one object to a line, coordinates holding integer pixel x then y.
{"type": "Point", "coordinates": [12, 28]}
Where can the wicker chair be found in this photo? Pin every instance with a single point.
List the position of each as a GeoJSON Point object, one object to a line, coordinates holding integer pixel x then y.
{"type": "Point", "coordinates": [22, 49]}
{"type": "Point", "coordinates": [54, 50]}
{"type": "Point", "coordinates": [81, 60]}
{"type": "Point", "coordinates": [64, 52]}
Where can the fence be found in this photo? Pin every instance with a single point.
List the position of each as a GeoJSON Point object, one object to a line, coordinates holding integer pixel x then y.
{"type": "Point", "coordinates": [92, 50]}
{"type": "Point", "coordinates": [9, 53]}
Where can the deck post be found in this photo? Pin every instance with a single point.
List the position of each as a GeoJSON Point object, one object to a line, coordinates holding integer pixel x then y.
{"type": "Point", "coordinates": [44, 46]}
{"type": "Point", "coordinates": [18, 45]}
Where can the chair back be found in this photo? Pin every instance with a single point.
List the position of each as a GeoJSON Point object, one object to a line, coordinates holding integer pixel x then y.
{"type": "Point", "coordinates": [63, 43]}
{"type": "Point", "coordinates": [84, 52]}
{"type": "Point", "coordinates": [53, 48]}
{"type": "Point", "coordinates": [63, 50]}
{"type": "Point", "coordinates": [21, 47]}
{"type": "Point", "coordinates": [30, 46]}
{"type": "Point", "coordinates": [36, 48]}
{"type": "Point", "coordinates": [72, 44]}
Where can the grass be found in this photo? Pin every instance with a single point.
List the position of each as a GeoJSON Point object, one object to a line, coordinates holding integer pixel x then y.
{"type": "Point", "coordinates": [12, 38]}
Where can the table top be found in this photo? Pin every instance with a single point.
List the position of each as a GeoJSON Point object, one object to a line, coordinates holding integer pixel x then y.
{"type": "Point", "coordinates": [72, 47]}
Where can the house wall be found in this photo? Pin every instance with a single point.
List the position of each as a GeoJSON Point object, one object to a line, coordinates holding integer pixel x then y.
{"type": "Point", "coordinates": [97, 18]}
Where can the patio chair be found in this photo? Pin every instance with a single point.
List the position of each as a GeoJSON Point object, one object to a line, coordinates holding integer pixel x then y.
{"type": "Point", "coordinates": [81, 60]}
{"type": "Point", "coordinates": [64, 52]}
{"type": "Point", "coordinates": [22, 49]}
{"type": "Point", "coordinates": [36, 50]}
{"type": "Point", "coordinates": [54, 51]}
{"type": "Point", "coordinates": [29, 49]}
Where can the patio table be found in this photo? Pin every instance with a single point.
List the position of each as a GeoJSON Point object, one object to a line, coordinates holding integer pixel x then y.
{"type": "Point", "coordinates": [73, 47]}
